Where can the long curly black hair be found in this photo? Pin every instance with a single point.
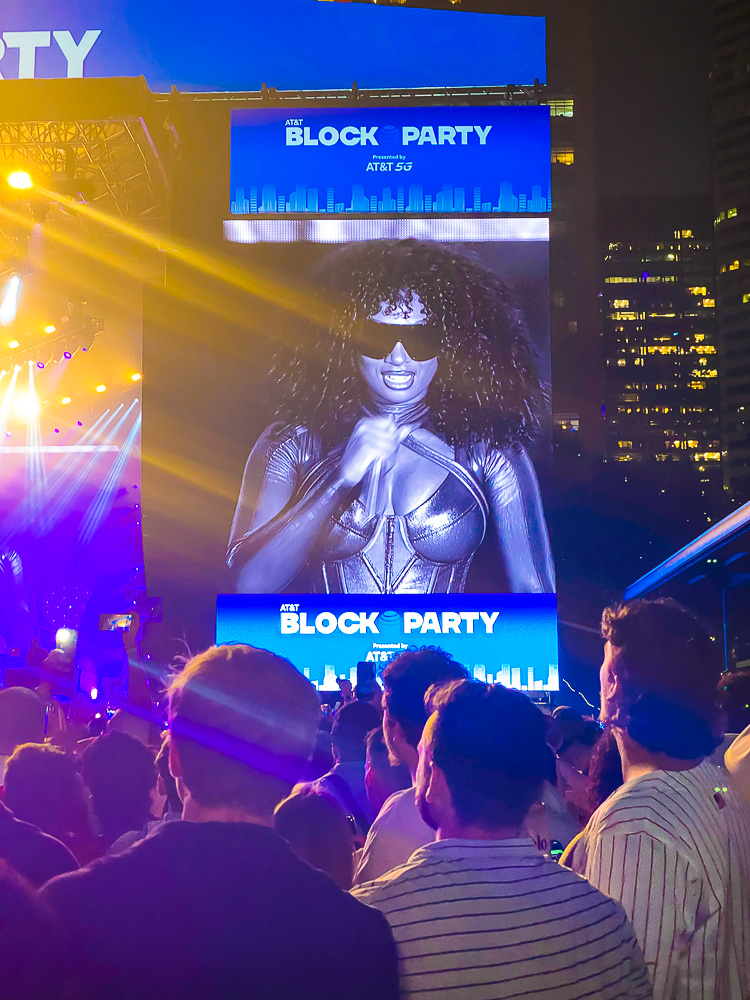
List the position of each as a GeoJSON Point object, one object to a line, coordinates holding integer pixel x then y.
{"type": "Point", "coordinates": [487, 386]}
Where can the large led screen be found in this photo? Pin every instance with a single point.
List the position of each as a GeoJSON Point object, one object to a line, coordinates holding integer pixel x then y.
{"type": "Point", "coordinates": [283, 44]}
{"type": "Point", "coordinates": [402, 160]}
{"type": "Point", "coordinates": [510, 638]}
{"type": "Point", "coordinates": [402, 448]}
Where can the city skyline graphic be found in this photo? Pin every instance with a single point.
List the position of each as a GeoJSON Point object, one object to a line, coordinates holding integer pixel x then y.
{"type": "Point", "coordinates": [266, 199]}
{"type": "Point", "coordinates": [520, 678]}
{"type": "Point", "coordinates": [508, 639]}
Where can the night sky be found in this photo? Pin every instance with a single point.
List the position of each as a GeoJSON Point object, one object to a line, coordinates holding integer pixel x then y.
{"type": "Point", "coordinates": [651, 66]}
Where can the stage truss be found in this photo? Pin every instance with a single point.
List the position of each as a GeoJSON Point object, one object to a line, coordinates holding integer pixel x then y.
{"type": "Point", "coordinates": [115, 161]}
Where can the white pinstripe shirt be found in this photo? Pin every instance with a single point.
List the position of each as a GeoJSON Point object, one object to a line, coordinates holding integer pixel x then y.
{"type": "Point", "coordinates": [674, 848]}
{"type": "Point", "coordinates": [495, 920]}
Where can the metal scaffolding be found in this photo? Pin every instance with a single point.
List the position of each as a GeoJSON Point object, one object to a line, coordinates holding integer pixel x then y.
{"type": "Point", "coordinates": [116, 163]}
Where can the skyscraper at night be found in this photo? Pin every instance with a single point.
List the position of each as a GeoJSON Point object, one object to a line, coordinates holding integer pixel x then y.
{"type": "Point", "coordinates": [730, 151]}
{"type": "Point", "coordinates": [659, 338]}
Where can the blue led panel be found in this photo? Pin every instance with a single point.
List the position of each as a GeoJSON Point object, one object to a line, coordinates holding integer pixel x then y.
{"type": "Point", "coordinates": [391, 160]}
{"type": "Point", "coordinates": [288, 44]}
{"type": "Point", "coordinates": [511, 638]}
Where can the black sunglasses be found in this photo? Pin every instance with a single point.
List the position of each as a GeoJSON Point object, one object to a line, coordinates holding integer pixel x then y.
{"type": "Point", "coordinates": [376, 340]}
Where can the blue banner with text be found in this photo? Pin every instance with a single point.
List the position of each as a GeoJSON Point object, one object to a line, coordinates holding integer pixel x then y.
{"type": "Point", "coordinates": [391, 160]}
{"type": "Point", "coordinates": [510, 638]}
{"type": "Point", "coordinates": [287, 44]}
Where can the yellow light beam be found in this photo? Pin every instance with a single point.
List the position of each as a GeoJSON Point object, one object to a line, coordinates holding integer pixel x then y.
{"type": "Point", "coordinates": [208, 264]}
{"type": "Point", "coordinates": [181, 289]}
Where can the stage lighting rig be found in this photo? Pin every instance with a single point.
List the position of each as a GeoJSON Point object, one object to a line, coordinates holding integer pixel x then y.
{"type": "Point", "coordinates": [70, 182]}
{"type": "Point", "coordinates": [20, 192]}
{"type": "Point", "coordinates": [54, 342]}
{"type": "Point", "coordinates": [20, 180]}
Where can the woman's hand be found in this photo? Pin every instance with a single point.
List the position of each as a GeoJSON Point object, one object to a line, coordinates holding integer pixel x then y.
{"type": "Point", "coordinates": [374, 439]}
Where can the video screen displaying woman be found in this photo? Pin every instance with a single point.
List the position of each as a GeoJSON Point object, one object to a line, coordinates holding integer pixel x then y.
{"type": "Point", "coordinates": [399, 443]}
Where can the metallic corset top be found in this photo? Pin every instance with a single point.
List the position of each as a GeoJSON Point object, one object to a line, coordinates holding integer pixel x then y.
{"type": "Point", "coordinates": [428, 550]}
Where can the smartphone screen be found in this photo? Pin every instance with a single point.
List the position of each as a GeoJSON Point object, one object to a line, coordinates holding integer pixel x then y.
{"type": "Point", "coordinates": [113, 623]}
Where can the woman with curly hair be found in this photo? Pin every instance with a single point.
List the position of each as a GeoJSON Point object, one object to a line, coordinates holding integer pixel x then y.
{"type": "Point", "coordinates": [399, 442]}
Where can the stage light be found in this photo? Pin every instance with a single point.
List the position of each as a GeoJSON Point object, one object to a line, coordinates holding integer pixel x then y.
{"type": "Point", "coordinates": [65, 400]}
{"type": "Point", "coordinates": [67, 355]}
{"type": "Point", "coordinates": [101, 388]}
{"type": "Point", "coordinates": [65, 637]}
{"type": "Point", "coordinates": [20, 180]}
{"type": "Point", "coordinates": [10, 300]}
{"type": "Point", "coordinates": [51, 328]}
{"type": "Point", "coordinates": [94, 693]}
{"type": "Point", "coordinates": [26, 405]}
{"type": "Point", "coordinates": [13, 345]}
{"type": "Point", "coordinates": [40, 364]}
{"type": "Point", "coordinates": [136, 377]}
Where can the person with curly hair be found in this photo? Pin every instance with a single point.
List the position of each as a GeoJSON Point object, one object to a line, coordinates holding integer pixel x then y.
{"type": "Point", "coordinates": [400, 439]}
{"type": "Point", "coordinates": [672, 843]}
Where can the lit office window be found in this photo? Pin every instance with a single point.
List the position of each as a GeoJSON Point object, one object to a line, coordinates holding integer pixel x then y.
{"type": "Point", "coordinates": [561, 109]}
{"type": "Point", "coordinates": [563, 156]}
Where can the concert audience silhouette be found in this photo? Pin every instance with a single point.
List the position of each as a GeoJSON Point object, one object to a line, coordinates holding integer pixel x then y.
{"type": "Point", "coordinates": [456, 890]}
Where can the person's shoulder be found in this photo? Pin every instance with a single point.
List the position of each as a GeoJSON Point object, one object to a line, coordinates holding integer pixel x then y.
{"type": "Point", "coordinates": [399, 802]}
{"type": "Point", "coordinates": [47, 855]}
{"type": "Point", "coordinates": [737, 763]}
{"type": "Point", "coordinates": [394, 882]}
{"type": "Point", "coordinates": [507, 466]}
{"type": "Point", "coordinates": [510, 455]}
{"type": "Point", "coordinates": [662, 805]}
{"type": "Point", "coordinates": [277, 434]}
{"type": "Point", "coordinates": [320, 895]}
{"type": "Point", "coordinates": [56, 850]}
{"type": "Point", "coordinates": [117, 873]}
{"type": "Point", "coordinates": [578, 894]}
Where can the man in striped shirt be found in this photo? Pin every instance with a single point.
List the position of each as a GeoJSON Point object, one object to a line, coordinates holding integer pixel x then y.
{"type": "Point", "coordinates": [480, 914]}
{"type": "Point", "coordinates": [673, 843]}
{"type": "Point", "coordinates": [398, 829]}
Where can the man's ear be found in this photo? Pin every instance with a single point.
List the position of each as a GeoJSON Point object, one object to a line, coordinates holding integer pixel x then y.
{"type": "Point", "coordinates": [610, 684]}
{"type": "Point", "coordinates": [397, 731]}
{"type": "Point", "coordinates": [438, 794]}
{"type": "Point", "coordinates": [395, 738]}
{"type": "Point", "coordinates": [175, 765]}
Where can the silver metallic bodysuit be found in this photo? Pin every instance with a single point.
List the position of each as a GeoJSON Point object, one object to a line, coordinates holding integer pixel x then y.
{"type": "Point", "coordinates": [296, 522]}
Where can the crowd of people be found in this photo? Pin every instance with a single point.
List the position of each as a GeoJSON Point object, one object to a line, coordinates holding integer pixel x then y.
{"type": "Point", "coordinates": [431, 837]}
